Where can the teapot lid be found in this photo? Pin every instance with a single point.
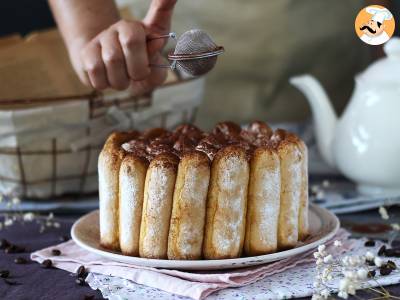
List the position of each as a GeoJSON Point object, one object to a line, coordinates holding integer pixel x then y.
{"type": "Point", "coordinates": [386, 69]}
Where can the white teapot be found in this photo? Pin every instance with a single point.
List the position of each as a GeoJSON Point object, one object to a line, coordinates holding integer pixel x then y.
{"type": "Point", "coordinates": [364, 144]}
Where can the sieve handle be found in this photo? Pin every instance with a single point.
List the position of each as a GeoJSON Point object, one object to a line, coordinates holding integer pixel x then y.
{"type": "Point", "coordinates": [164, 36]}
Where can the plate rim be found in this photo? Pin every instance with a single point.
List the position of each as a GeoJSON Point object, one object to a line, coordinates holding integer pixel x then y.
{"type": "Point", "coordinates": [204, 264]}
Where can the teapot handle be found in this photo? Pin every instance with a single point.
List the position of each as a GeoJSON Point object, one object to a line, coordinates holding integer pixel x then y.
{"type": "Point", "coordinates": [392, 48]}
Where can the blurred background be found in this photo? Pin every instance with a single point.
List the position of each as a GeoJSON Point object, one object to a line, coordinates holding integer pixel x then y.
{"type": "Point", "coordinates": [266, 42]}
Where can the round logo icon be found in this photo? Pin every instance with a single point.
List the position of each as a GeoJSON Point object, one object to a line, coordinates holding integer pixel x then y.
{"type": "Point", "coordinates": [375, 25]}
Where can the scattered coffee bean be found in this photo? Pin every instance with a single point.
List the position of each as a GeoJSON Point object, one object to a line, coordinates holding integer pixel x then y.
{"type": "Point", "coordinates": [10, 249]}
{"type": "Point", "coordinates": [369, 243]}
{"type": "Point", "coordinates": [20, 260]}
{"type": "Point", "coordinates": [14, 249]}
{"type": "Point", "coordinates": [4, 244]}
{"type": "Point", "coordinates": [382, 250]}
{"type": "Point", "coordinates": [88, 297]}
{"type": "Point", "coordinates": [4, 273]}
{"type": "Point", "coordinates": [371, 274]}
{"type": "Point", "coordinates": [47, 263]}
{"type": "Point", "coordinates": [81, 272]}
{"type": "Point", "coordinates": [80, 281]}
{"type": "Point", "coordinates": [63, 238]}
{"type": "Point", "coordinates": [56, 252]}
{"type": "Point", "coordinates": [385, 270]}
{"type": "Point", "coordinates": [391, 264]}
{"type": "Point", "coordinates": [392, 252]}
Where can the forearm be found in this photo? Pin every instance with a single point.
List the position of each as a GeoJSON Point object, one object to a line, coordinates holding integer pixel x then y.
{"type": "Point", "coordinates": [80, 21]}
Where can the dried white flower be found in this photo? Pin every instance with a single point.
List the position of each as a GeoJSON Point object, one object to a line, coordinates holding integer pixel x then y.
{"type": "Point", "coordinates": [50, 216]}
{"type": "Point", "coordinates": [345, 261]}
{"type": "Point", "coordinates": [395, 226]}
{"type": "Point", "coordinates": [378, 261]}
{"type": "Point", "coordinates": [321, 248]}
{"type": "Point", "coordinates": [343, 295]}
{"type": "Point", "coordinates": [56, 225]}
{"type": "Point", "coordinates": [15, 201]}
{"type": "Point", "coordinates": [328, 259]}
{"type": "Point", "coordinates": [362, 274]}
{"type": "Point", "coordinates": [8, 222]}
{"type": "Point", "coordinates": [354, 260]}
{"type": "Point", "coordinates": [343, 284]}
{"type": "Point", "coordinates": [29, 217]}
{"type": "Point", "coordinates": [320, 195]}
{"type": "Point", "coordinates": [325, 293]}
{"type": "Point", "coordinates": [316, 255]}
{"type": "Point", "coordinates": [319, 261]}
{"type": "Point", "coordinates": [314, 188]}
{"type": "Point", "coordinates": [369, 256]}
{"type": "Point", "coordinates": [338, 243]}
{"type": "Point", "coordinates": [326, 183]}
{"type": "Point", "coordinates": [383, 212]}
{"type": "Point", "coordinates": [316, 297]}
{"type": "Point", "coordinates": [349, 274]}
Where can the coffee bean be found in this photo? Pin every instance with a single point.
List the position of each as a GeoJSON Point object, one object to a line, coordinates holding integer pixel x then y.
{"type": "Point", "coordinates": [88, 297]}
{"type": "Point", "coordinates": [382, 250]}
{"type": "Point", "coordinates": [4, 244]}
{"type": "Point", "coordinates": [56, 252]}
{"type": "Point", "coordinates": [392, 252]}
{"type": "Point", "coordinates": [371, 274]}
{"type": "Point", "coordinates": [10, 249]}
{"type": "Point", "coordinates": [391, 264]}
{"type": "Point", "coordinates": [14, 249]}
{"type": "Point", "coordinates": [47, 263]}
{"type": "Point", "coordinates": [4, 273]}
{"type": "Point", "coordinates": [20, 260]}
{"type": "Point", "coordinates": [80, 281]}
{"type": "Point", "coordinates": [369, 243]}
{"type": "Point", "coordinates": [384, 270]}
{"type": "Point", "coordinates": [81, 272]}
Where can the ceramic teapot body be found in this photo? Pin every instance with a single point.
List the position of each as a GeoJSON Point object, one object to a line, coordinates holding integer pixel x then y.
{"type": "Point", "coordinates": [364, 144]}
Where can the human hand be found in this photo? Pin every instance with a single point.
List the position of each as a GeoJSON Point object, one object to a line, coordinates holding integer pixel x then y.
{"type": "Point", "coordinates": [119, 56]}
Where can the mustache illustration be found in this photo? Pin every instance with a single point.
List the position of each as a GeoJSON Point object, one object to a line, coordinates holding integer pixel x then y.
{"type": "Point", "coordinates": [368, 28]}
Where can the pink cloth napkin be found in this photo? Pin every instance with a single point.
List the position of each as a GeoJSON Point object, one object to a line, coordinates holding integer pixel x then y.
{"type": "Point", "coordinates": [196, 285]}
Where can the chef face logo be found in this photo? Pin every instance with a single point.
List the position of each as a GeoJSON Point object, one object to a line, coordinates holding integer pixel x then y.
{"type": "Point", "coordinates": [374, 25]}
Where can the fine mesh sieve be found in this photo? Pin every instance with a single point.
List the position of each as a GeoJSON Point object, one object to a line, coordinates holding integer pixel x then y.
{"type": "Point", "coordinates": [195, 52]}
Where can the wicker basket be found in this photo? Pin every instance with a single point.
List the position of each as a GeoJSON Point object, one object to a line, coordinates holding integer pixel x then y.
{"type": "Point", "coordinates": [49, 147]}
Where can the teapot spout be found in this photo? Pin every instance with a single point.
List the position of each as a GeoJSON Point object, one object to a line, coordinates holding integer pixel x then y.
{"type": "Point", "coordinates": [324, 116]}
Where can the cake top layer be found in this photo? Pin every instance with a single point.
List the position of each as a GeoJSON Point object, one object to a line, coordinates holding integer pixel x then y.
{"type": "Point", "coordinates": [188, 137]}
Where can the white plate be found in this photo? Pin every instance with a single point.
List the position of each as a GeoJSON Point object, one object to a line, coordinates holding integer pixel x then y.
{"type": "Point", "coordinates": [323, 226]}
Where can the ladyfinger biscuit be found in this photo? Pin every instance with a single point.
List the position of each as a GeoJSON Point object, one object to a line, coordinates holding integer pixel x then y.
{"type": "Point", "coordinates": [108, 167]}
{"type": "Point", "coordinates": [132, 176]}
{"type": "Point", "coordinates": [157, 206]}
{"type": "Point", "coordinates": [291, 181]}
{"type": "Point", "coordinates": [186, 230]}
{"type": "Point", "coordinates": [263, 203]}
{"type": "Point", "coordinates": [227, 203]}
{"type": "Point", "coordinates": [303, 210]}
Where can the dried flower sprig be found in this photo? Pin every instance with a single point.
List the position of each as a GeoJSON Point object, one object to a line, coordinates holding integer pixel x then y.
{"type": "Point", "coordinates": [19, 216]}
{"type": "Point", "coordinates": [352, 270]}
{"type": "Point", "coordinates": [355, 270]}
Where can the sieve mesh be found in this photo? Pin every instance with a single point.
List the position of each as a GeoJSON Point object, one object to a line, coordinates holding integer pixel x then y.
{"type": "Point", "coordinates": [195, 52]}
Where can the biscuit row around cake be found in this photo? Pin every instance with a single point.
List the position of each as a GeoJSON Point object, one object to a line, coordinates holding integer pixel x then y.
{"type": "Point", "coordinates": [188, 194]}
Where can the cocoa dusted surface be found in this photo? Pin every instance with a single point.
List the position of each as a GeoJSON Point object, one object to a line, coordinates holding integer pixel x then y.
{"type": "Point", "coordinates": [186, 138]}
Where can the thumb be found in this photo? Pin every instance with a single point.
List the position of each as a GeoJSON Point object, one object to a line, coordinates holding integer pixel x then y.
{"type": "Point", "coordinates": [158, 18]}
